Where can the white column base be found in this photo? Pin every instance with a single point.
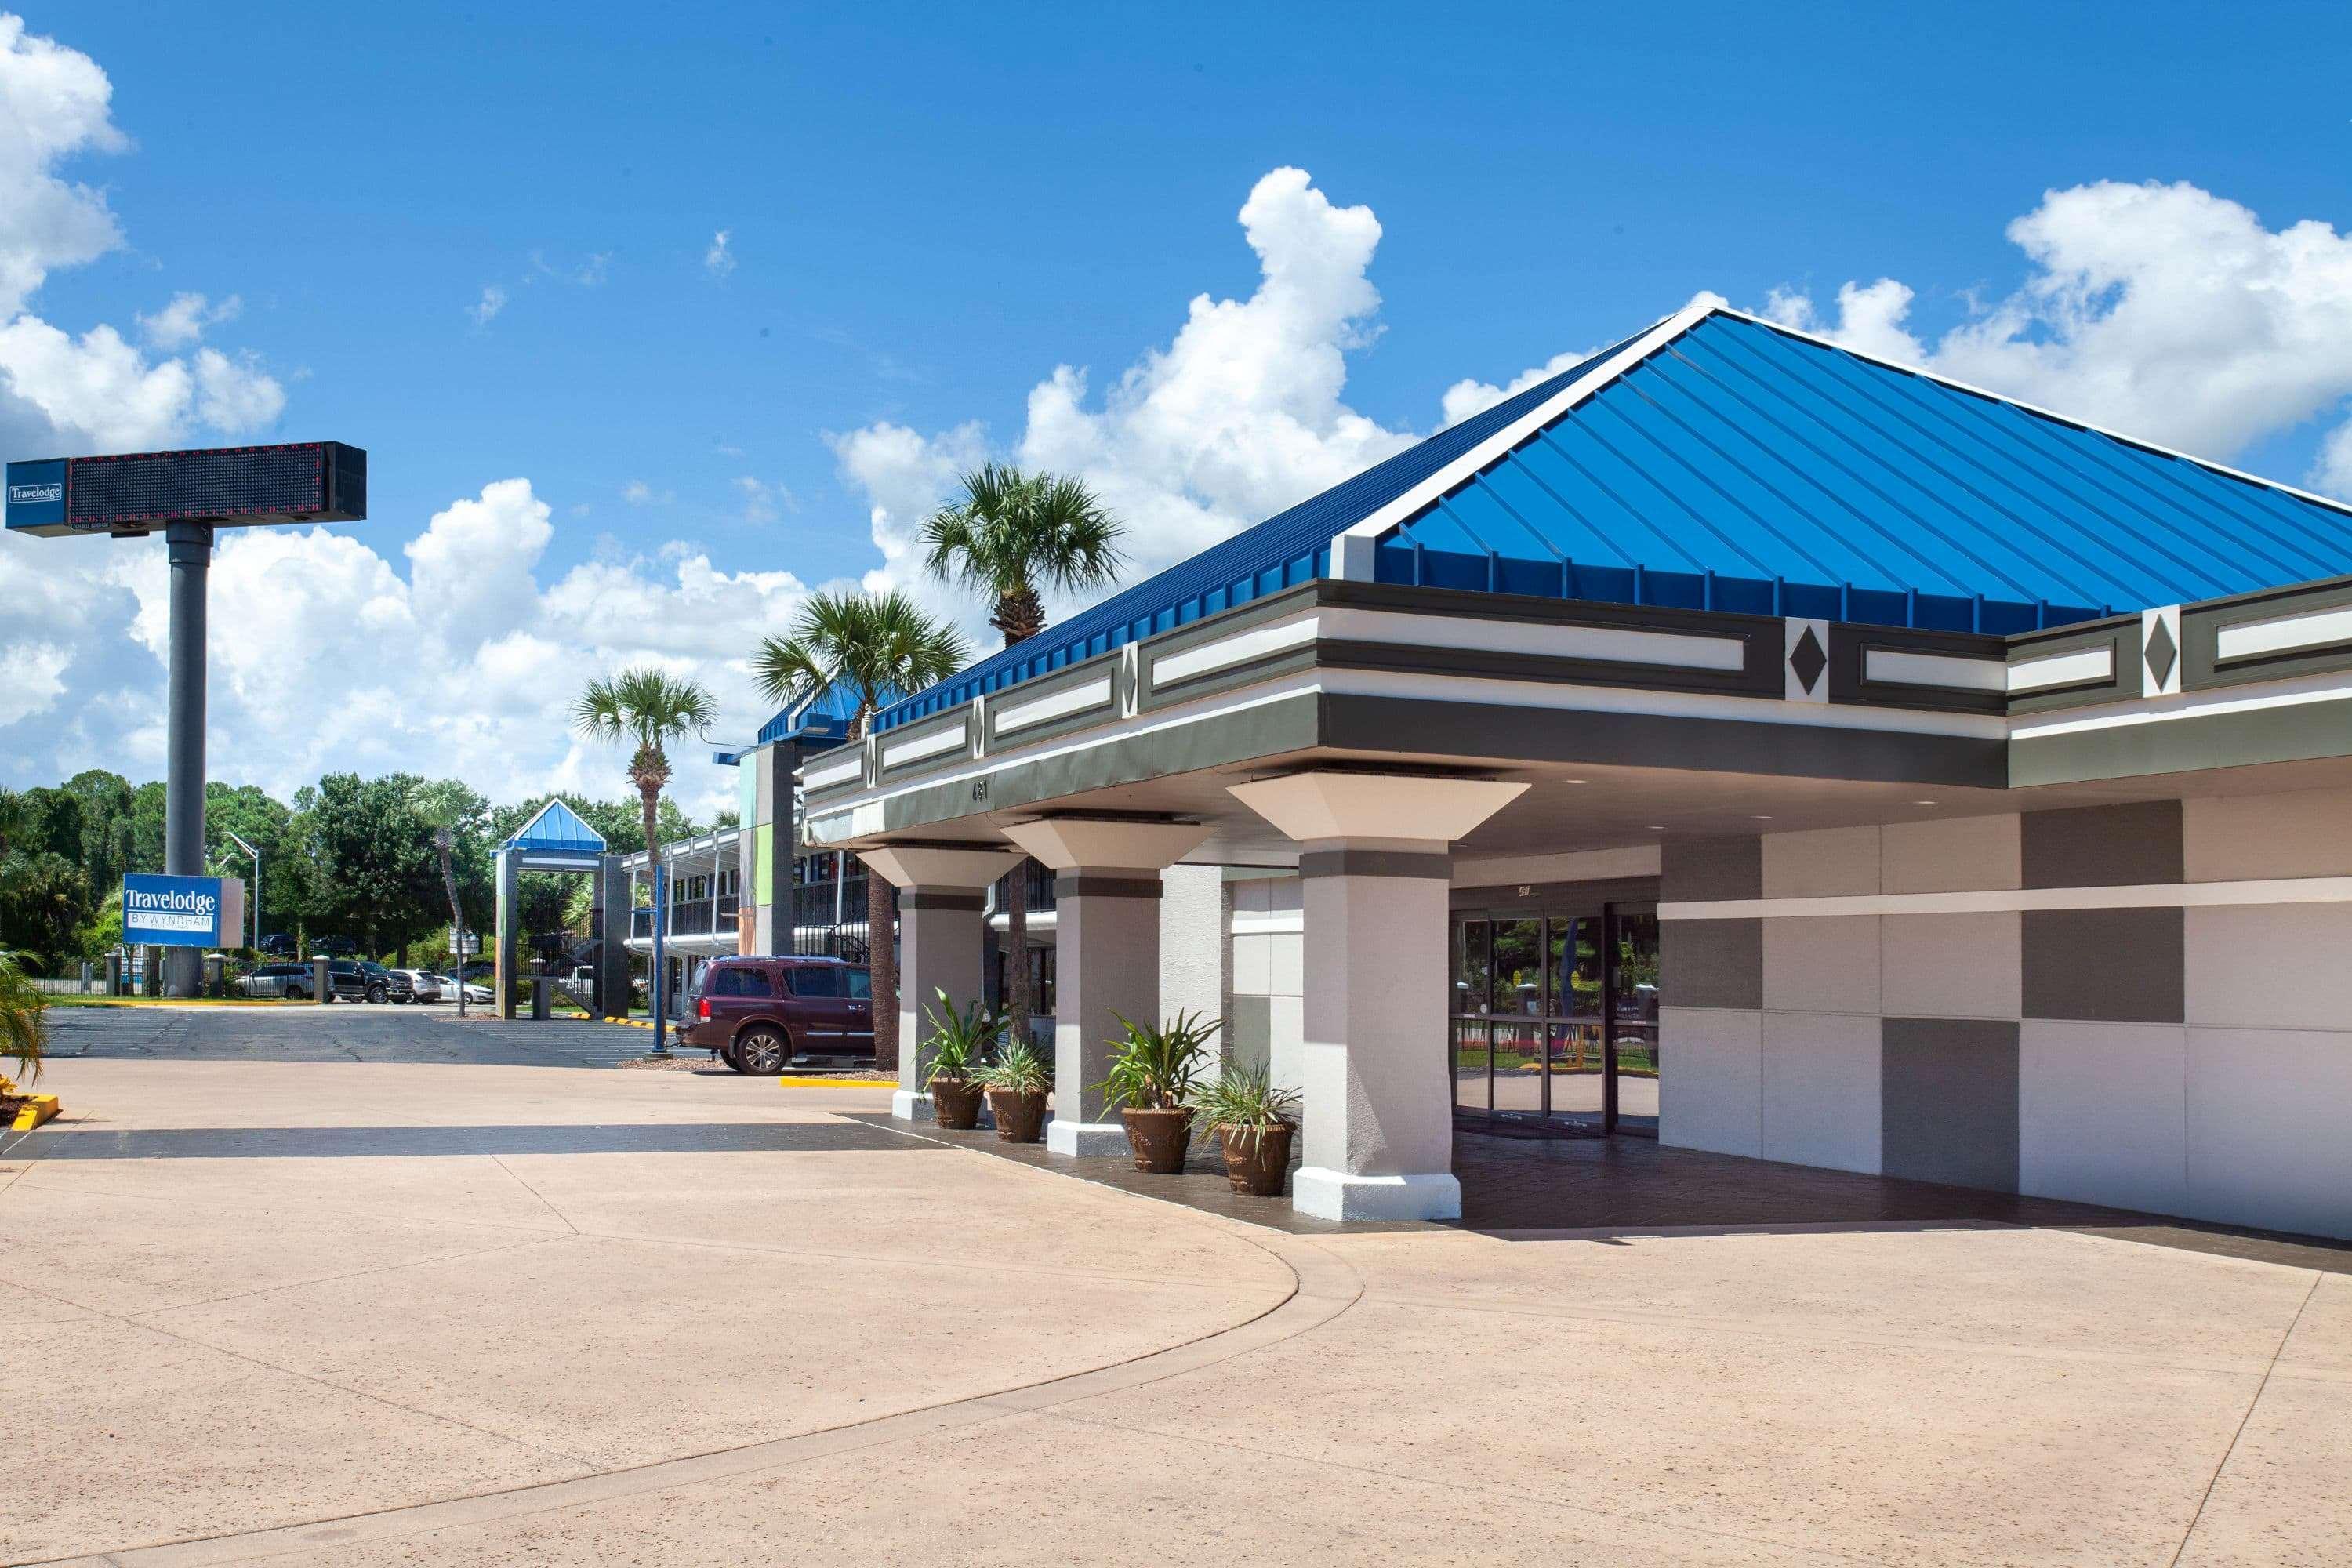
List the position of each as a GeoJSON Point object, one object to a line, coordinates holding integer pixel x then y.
{"type": "Point", "coordinates": [1335, 1195]}
{"type": "Point", "coordinates": [908, 1106]}
{"type": "Point", "coordinates": [1092, 1138]}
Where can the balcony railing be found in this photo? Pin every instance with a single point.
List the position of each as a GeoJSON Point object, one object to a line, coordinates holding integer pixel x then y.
{"type": "Point", "coordinates": [701, 917]}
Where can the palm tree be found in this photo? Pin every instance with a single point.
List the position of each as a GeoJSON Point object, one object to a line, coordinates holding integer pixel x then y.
{"type": "Point", "coordinates": [651, 708]}
{"type": "Point", "coordinates": [447, 805]}
{"type": "Point", "coordinates": [1008, 533]}
{"type": "Point", "coordinates": [876, 649]}
{"type": "Point", "coordinates": [24, 1023]}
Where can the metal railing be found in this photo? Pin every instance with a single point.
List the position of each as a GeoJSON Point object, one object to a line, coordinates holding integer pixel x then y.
{"type": "Point", "coordinates": [699, 917]}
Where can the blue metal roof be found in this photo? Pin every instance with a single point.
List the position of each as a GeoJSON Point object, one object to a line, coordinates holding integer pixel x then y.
{"type": "Point", "coordinates": [826, 716]}
{"type": "Point", "coordinates": [557, 829]}
{"type": "Point", "coordinates": [1737, 466]}
{"type": "Point", "coordinates": [1285, 550]}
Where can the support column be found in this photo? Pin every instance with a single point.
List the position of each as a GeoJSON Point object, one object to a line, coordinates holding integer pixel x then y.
{"type": "Point", "coordinates": [1107, 894]}
{"type": "Point", "coordinates": [190, 551]}
{"type": "Point", "coordinates": [502, 960]}
{"type": "Point", "coordinates": [1375, 857]}
{"type": "Point", "coordinates": [614, 898]}
{"type": "Point", "coordinates": [942, 890]}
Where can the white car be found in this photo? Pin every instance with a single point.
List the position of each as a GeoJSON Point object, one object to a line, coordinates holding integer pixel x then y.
{"type": "Point", "coordinates": [424, 986]}
{"type": "Point", "coordinates": [474, 991]}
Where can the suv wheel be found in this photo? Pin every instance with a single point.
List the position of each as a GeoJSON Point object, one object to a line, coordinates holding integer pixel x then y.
{"type": "Point", "coordinates": [376, 993]}
{"type": "Point", "coordinates": [296, 993]}
{"type": "Point", "coordinates": [761, 1051]}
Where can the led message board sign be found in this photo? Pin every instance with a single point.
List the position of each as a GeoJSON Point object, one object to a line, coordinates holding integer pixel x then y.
{"type": "Point", "coordinates": [131, 493]}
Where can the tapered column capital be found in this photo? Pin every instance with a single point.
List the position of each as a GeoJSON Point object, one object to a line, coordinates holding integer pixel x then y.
{"type": "Point", "coordinates": [1069, 843]}
{"type": "Point", "coordinates": [1396, 807]}
{"type": "Point", "coordinates": [938, 865]}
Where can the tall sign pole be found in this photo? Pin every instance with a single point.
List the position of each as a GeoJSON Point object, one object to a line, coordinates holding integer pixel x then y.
{"type": "Point", "coordinates": [186, 495]}
{"type": "Point", "coordinates": [190, 546]}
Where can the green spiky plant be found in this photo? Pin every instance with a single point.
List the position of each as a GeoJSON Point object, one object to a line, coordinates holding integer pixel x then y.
{"type": "Point", "coordinates": [959, 1039]}
{"type": "Point", "coordinates": [1018, 1068]}
{"type": "Point", "coordinates": [24, 1022]}
{"type": "Point", "coordinates": [1156, 1069]}
{"type": "Point", "coordinates": [1244, 1104]}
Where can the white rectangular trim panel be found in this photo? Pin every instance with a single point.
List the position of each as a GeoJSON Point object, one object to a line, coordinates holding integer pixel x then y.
{"type": "Point", "coordinates": [835, 770]}
{"type": "Point", "coordinates": [1935, 670]}
{"type": "Point", "coordinates": [1011, 716]}
{"type": "Point", "coordinates": [937, 743]}
{"type": "Point", "coordinates": [1614, 644]}
{"type": "Point", "coordinates": [1206, 658]}
{"type": "Point", "coordinates": [2062, 670]}
{"type": "Point", "coordinates": [2311, 628]}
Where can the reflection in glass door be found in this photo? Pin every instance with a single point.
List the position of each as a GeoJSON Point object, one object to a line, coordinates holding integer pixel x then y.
{"type": "Point", "coordinates": [1555, 1018]}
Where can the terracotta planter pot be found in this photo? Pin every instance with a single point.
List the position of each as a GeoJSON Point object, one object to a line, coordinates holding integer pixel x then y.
{"type": "Point", "coordinates": [1020, 1118]}
{"type": "Point", "coordinates": [1158, 1138]}
{"type": "Point", "coordinates": [955, 1103]}
{"type": "Point", "coordinates": [1257, 1159]}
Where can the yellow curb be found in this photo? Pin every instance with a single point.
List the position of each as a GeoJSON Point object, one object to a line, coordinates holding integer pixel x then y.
{"type": "Point", "coordinates": [36, 1108]}
{"type": "Point", "coordinates": [74, 999]}
{"type": "Point", "coordinates": [631, 1023]}
{"type": "Point", "coordinates": [837, 1083]}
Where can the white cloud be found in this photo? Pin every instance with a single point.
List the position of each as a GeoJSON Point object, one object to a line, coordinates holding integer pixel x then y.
{"type": "Point", "coordinates": [2162, 311]}
{"type": "Point", "coordinates": [719, 261]}
{"type": "Point", "coordinates": [180, 324]}
{"type": "Point", "coordinates": [764, 501]}
{"type": "Point", "coordinates": [637, 492]}
{"type": "Point", "coordinates": [1237, 416]}
{"type": "Point", "coordinates": [33, 685]}
{"type": "Point", "coordinates": [486, 309]}
{"type": "Point", "coordinates": [1470, 396]}
{"type": "Point", "coordinates": [465, 665]}
{"type": "Point", "coordinates": [2332, 474]}
{"type": "Point", "coordinates": [95, 391]}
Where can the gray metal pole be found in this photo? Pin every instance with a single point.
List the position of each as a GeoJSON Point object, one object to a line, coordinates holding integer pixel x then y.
{"type": "Point", "coordinates": [190, 548]}
{"type": "Point", "coordinates": [660, 976]}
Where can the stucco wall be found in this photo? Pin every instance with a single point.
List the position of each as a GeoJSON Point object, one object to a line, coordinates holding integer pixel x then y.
{"type": "Point", "coordinates": [2138, 1049]}
{"type": "Point", "coordinates": [1268, 979]}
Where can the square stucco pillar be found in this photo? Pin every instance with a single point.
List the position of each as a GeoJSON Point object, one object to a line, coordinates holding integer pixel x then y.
{"type": "Point", "coordinates": [1375, 860]}
{"type": "Point", "coordinates": [1196, 945]}
{"type": "Point", "coordinates": [942, 891]}
{"type": "Point", "coordinates": [1107, 897]}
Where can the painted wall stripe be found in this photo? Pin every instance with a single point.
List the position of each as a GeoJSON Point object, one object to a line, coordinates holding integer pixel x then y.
{"type": "Point", "coordinates": [1011, 716]}
{"type": "Point", "coordinates": [1935, 670]}
{"type": "Point", "coordinates": [2311, 628]}
{"type": "Point", "coordinates": [2062, 670]}
{"type": "Point", "coordinates": [2146, 896]}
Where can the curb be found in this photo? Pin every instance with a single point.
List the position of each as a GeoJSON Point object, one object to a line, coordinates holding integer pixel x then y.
{"type": "Point", "coordinates": [837, 1083]}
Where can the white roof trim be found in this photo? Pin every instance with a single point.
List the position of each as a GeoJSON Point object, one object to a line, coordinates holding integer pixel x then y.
{"type": "Point", "coordinates": [1470, 462]}
{"type": "Point", "coordinates": [1517, 430]}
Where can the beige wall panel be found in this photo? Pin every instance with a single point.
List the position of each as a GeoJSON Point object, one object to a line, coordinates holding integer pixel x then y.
{"type": "Point", "coordinates": [1949, 966]}
{"type": "Point", "coordinates": [1820, 1094]}
{"type": "Point", "coordinates": [2244, 838]}
{"type": "Point", "coordinates": [1710, 1092]}
{"type": "Point", "coordinates": [1822, 964]}
{"type": "Point", "coordinates": [2102, 1113]}
{"type": "Point", "coordinates": [2274, 966]}
{"type": "Point", "coordinates": [1966, 854]}
{"type": "Point", "coordinates": [1824, 863]}
{"type": "Point", "coordinates": [2268, 1114]}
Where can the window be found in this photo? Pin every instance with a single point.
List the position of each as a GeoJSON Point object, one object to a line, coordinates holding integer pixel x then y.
{"type": "Point", "coordinates": [814, 979]}
{"type": "Point", "coordinates": [734, 980]}
{"type": "Point", "coordinates": [861, 984]}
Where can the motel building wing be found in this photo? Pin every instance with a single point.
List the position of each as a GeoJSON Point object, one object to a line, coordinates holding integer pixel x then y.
{"type": "Point", "coordinates": [1734, 740]}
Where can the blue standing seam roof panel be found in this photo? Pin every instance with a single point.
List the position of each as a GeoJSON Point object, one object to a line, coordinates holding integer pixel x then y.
{"type": "Point", "coordinates": [557, 828]}
{"type": "Point", "coordinates": [1739, 467]}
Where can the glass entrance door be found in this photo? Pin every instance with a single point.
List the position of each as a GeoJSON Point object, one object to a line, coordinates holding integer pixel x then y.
{"type": "Point", "coordinates": [1554, 1018]}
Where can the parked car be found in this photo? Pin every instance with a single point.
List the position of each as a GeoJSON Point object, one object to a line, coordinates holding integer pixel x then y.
{"type": "Point", "coordinates": [757, 1014]}
{"type": "Point", "coordinates": [278, 944]}
{"type": "Point", "coordinates": [475, 994]}
{"type": "Point", "coordinates": [419, 985]}
{"type": "Point", "coordinates": [291, 981]}
{"type": "Point", "coordinates": [334, 947]}
{"type": "Point", "coordinates": [359, 980]}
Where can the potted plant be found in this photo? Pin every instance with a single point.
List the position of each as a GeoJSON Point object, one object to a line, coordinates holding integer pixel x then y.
{"type": "Point", "coordinates": [24, 1030]}
{"type": "Point", "coordinates": [1256, 1122]}
{"type": "Point", "coordinates": [1017, 1082]}
{"type": "Point", "coordinates": [958, 1045]}
{"type": "Point", "coordinates": [1150, 1082]}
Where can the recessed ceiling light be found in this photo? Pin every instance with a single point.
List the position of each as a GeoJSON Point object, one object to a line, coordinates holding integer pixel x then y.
{"type": "Point", "coordinates": [1923, 803]}
{"type": "Point", "coordinates": [1655, 826]}
{"type": "Point", "coordinates": [1762, 817]}
{"type": "Point", "coordinates": [1575, 781]}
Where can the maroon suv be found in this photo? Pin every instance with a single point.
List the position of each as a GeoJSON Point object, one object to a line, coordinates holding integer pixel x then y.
{"type": "Point", "coordinates": [757, 1014]}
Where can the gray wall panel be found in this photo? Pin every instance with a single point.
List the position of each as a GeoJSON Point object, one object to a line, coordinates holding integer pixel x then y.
{"type": "Point", "coordinates": [1711, 963]}
{"type": "Point", "coordinates": [2102, 846]}
{"type": "Point", "coordinates": [2123, 965]}
{"type": "Point", "coordinates": [1948, 1100]}
{"type": "Point", "coordinates": [1694, 869]}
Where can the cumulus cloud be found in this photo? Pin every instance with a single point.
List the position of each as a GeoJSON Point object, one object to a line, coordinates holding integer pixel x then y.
{"type": "Point", "coordinates": [763, 501]}
{"type": "Point", "coordinates": [324, 655]}
{"type": "Point", "coordinates": [637, 492]}
{"type": "Point", "coordinates": [63, 391]}
{"type": "Point", "coordinates": [1239, 415]}
{"type": "Point", "coordinates": [2160, 310]}
{"type": "Point", "coordinates": [719, 261]}
{"type": "Point", "coordinates": [486, 309]}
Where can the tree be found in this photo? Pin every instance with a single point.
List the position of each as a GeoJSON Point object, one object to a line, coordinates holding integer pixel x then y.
{"type": "Point", "coordinates": [106, 837]}
{"type": "Point", "coordinates": [876, 649]}
{"type": "Point", "coordinates": [652, 709]}
{"type": "Point", "coordinates": [452, 810]}
{"type": "Point", "coordinates": [1008, 533]}
{"type": "Point", "coordinates": [373, 857]}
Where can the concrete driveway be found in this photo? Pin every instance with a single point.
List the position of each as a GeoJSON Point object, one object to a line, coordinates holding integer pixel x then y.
{"type": "Point", "coordinates": [436, 1309]}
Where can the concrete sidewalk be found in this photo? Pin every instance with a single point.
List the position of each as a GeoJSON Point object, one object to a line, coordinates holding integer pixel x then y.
{"type": "Point", "coordinates": [500, 1347]}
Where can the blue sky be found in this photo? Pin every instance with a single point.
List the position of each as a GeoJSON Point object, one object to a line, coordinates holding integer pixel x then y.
{"type": "Point", "coordinates": [926, 216]}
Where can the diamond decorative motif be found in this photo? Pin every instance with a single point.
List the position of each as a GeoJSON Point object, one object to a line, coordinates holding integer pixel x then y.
{"type": "Point", "coordinates": [1808, 659]}
{"type": "Point", "coordinates": [2161, 653]}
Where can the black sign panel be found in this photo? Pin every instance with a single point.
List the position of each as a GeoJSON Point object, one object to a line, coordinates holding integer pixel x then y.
{"type": "Point", "coordinates": [303, 481]}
